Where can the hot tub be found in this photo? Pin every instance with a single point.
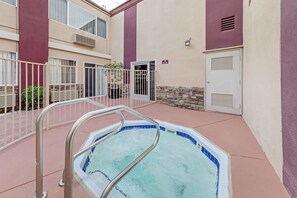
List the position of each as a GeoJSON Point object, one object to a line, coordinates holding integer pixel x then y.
{"type": "Point", "coordinates": [184, 163]}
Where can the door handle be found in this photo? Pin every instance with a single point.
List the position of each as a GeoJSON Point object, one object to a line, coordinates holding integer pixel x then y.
{"type": "Point", "coordinates": [208, 82]}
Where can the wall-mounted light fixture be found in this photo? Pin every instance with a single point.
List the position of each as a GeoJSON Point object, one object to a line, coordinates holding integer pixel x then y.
{"type": "Point", "coordinates": [188, 42]}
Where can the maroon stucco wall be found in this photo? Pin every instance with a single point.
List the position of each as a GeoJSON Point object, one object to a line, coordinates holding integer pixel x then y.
{"type": "Point", "coordinates": [289, 93]}
{"type": "Point", "coordinates": [33, 45]}
{"type": "Point", "coordinates": [215, 11]}
{"type": "Point", "coordinates": [130, 28]}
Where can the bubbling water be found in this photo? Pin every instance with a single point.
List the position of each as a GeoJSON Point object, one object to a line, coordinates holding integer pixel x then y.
{"type": "Point", "coordinates": [175, 168]}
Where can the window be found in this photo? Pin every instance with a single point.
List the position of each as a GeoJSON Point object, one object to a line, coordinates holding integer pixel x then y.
{"type": "Point", "coordinates": [62, 71]}
{"type": "Point", "coordinates": [58, 10]}
{"type": "Point", "coordinates": [8, 68]}
{"type": "Point", "coordinates": [75, 16]}
{"type": "Point", "coordinates": [101, 28]}
{"type": "Point", "coordinates": [81, 19]}
{"type": "Point", "coordinates": [12, 2]}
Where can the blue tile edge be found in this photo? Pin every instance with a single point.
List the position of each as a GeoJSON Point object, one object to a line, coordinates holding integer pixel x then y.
{"type": "Point", "coordinates": [141, 127]}
{"type": "Point", "coordinates": [185, 135]}
{"type": "Point", "coordinates": [216, 162]}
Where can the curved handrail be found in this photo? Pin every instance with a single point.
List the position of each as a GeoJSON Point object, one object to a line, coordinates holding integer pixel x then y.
{"type": "Point", "coordinates": [70, 140]}
{"type": "Point", "coordinates": [39, 139]}
{"type": "Point", "coordinates": [109, 133]}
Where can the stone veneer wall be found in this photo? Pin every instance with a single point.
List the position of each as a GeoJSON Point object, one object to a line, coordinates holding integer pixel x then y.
{"type": "Point", "coordinates": [78, 87]}
{"type": "Point", "coordinates": [182, 97]}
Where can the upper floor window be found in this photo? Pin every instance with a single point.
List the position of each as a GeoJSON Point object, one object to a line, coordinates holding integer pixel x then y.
{"type": "Point", "coordinates": [12, 2]}
{"type": "Point", "coordinates": [73, 15]}
{"type": "Point", "coordinates": [8, 68]}
{"type": "Point", "coordinates": [81, 19]}
{"type": "Point", "coordinates": [101, 28]}
{"type": "Point", "coordinates": [58, 10]}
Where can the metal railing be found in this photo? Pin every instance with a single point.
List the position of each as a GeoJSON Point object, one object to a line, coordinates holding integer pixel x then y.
{"type": "Point", "coordinates": [69, 157]}
{"type": "Point", "coordinates": [26, 88]}
{"type": "Point", "coordinates": [39, 139]}
{"type": "Point", "coordinates": [20, 104]}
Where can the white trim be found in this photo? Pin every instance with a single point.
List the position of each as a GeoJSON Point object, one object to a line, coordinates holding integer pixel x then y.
{"type": "Point", "coordinates": [67, 14]}
{"type": "Point", "coordinates": [77, 50]}
{"type": "Point", "coordinates": [9, 35]}
{"type": "Point", "coordinates": [95, 63]}
{"type": "Point", "coordinates": [223, 49]}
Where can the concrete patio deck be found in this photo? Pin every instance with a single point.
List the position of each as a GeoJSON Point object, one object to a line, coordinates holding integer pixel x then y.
{"type": "Point", "coordinates": [252, 174]}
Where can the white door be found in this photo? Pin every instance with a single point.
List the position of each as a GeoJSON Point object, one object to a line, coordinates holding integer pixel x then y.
{"type": "Point", "coordinates": [223, 82]}
{"type": "Point", "coordinates": [141, 80]}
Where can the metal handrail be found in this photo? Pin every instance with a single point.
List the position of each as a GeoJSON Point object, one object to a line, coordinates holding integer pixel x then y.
{"type": "Point", "coordinates": [109, 133]}
{"type": "Point", "coordinates": [39, 139]}
{"type": "Point", "coordinates": [68, 190]}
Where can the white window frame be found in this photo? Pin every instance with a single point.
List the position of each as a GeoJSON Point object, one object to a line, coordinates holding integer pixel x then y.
{"type": "Point", "coordinates": [76, 71]}
{"type": "Point", "coordinates": [17, 68]}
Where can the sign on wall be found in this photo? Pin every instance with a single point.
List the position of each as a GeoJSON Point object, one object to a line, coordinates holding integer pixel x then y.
{"type": "Point", "coordinates": [165, 62]}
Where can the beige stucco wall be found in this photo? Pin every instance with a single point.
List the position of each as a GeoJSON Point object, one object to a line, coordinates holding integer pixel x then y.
{"type": "Point", "coordinates": [9, 17]}
{"type": "Point", "coordinates": [7, 45]}
{"type": "Point", "coordinates": [117, 37]}
{"type": "Point", "coordinates": [63, 34]}
{"type": "Point", "coordinates": [261, 77]}
{"type": "Point", "coordinates": [162, 29]}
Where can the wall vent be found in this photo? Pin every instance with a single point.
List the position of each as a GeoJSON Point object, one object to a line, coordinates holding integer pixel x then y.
{"type": "Point", "coordinates": [228, 23]}
{"type": "Point", "coordinates": [82, 40]}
